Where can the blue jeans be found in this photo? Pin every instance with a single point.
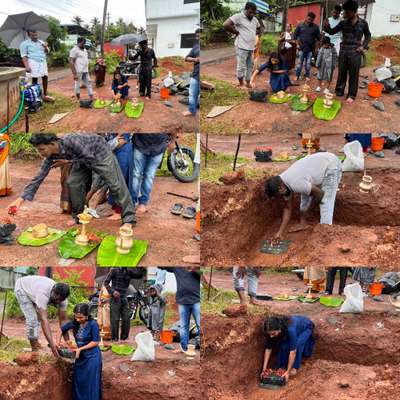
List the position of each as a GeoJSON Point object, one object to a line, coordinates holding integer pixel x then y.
{"type": "Point", "coordinates": [185, 311]}
{"type": "Point", "coordinates": [144, 171]}
{"type": "Point", "coordinates": [194, 92]}
{"type": "Point", "coordinates": [304, 58]}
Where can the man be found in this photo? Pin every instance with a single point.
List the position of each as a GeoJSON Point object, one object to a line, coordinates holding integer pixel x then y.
{"type": "Point", "coordinates": [307, 35]}
{"type": "Point", "coordinates": [353, 46]}
{"type": "Point", "coordinates": [316, 178]}
{"type": "Point", "coordinates": [334, 20]}
{"type": "Point", "coordinates": [148, 62]}
{"type": "Point", "coordinates": [88, 154]}
{"type": "Point", "coordinates": [253, 275]}
{"type": "Point", "coordinates": [34, 294]}
{"type": "Point", "coordinates": [79, 63]}
{"type": "Point", "coordinates": [245, 27]}
{"type": "Point", "coordinates": [330, 279]}
{"type": "Point", "coordinates": [194, 88]}
{"type": "Point", "coordinates": [117, 284]}
{"type": "Point", "coordinates": [148, 151]}
{"type": "Point", "coordinates": [188, 299]}
{"type": "Point", "coordinates": [33, 53]}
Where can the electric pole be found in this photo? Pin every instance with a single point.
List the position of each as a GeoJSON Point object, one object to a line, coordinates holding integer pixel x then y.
{"type": "Point", "coordinates": [108, 26]}
{"type": "Point", "coordinates": [103, 27]}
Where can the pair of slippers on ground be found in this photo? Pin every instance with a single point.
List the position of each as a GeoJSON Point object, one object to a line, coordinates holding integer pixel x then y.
{"type": "Point", "coordinates": [179, 209]}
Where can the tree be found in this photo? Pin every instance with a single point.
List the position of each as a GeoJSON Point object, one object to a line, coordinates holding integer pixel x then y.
{"type": "Point", "coordinates": [77, 20]}
{"type": "Point", "coordinates": [96, 29]}
{"type": "Point", "coordinates": [57, 33]}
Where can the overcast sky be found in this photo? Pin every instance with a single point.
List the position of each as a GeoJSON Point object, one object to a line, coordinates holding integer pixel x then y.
{"type": "Point", "coordinates": [65, 10]}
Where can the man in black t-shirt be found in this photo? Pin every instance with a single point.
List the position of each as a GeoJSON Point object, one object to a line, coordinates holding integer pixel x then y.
{"type": "Point", "coordinates": [194, 89]}
{"type": "Point", "coordinates": [148, 150]}
{"type": "Point", "coordinates": [148, 62]}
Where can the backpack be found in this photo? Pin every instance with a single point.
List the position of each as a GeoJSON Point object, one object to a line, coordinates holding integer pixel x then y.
{"type": "Point", "coordinates": [33, 97]}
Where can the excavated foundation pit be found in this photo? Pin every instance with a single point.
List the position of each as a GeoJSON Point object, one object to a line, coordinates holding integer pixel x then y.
{"type": "Point", "coordinates": [352, 363]}
{"type": "Point", "coordinates": [366, 229]}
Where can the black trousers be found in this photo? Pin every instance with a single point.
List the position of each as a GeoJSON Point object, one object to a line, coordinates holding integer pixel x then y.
{"type": "Point", "coordinates": [110, 172]}
{"type": "Point", "coordinates": [119, 310]}
{"type": "Point", "coordinates": [145, 78]}
{"type": "Point", "coordinates": [349, 67]}
{"type": "Point", "coordinates": [330, 279]}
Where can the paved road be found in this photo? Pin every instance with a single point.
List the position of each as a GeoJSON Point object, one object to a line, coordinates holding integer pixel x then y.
{"type": "Point", "coordinates": [217, 55]}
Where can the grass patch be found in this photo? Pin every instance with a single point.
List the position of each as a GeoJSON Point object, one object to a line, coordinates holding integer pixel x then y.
{"type": "Point", "coordinates": [21, 148]}
{"type": "Point", "coordinates": [218, 164]}
{"type": "Point", "coordinates": [371, 54]}
{"type": "Point", "coordinates": [9, 349]}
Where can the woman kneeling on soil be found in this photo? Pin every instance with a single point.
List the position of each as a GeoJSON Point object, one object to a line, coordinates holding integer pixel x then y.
{"type": "Point", "coordinates": [86, 383]}
{"type": "Point", "coordinates": [293, 338]}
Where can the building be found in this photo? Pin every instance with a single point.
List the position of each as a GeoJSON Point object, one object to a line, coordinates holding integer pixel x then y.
{"type": "Point", "coordinates": [238, 5]}
{"type": "Point", "coordinates": [73, 32]}
{"type": "Point", "coordinates": [171, 29]}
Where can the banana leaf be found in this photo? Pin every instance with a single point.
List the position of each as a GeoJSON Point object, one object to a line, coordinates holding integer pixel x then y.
{"type": "Point", "coordinates": [327, 114]}
{"type": "Point", "coordinates": [297, 105]}
{"type": "Point", "coordinates": [275, 100]}
{"type": "Point", "coordinates": [305, 299]}
{"type": "Point", "coordinates": [122, 349]}
{"type": "Point", "coordinates": [26, 238]}
{"type": "Point", "coordinates": [284, 298]}
{"type": "Point", "coordinates": [331, 301]}
{"type": "Point", "coordinates": [101, 103]}
{"type": "Point", "coordinates": [116, 107]}
{"type": "Point", "coordinates": [132, 111]}
{"type": "Point", "coordinates": [107, 255]}
{"type": "Point", "coordinates": [69, 249]}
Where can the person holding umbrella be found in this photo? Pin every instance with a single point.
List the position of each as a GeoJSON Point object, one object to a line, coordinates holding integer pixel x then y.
{"type": "Point", "coordinates": [34, 53]}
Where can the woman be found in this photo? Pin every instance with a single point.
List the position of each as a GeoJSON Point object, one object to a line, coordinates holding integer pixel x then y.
{"type": "Point", "coordinates": [287, 47]}
{"type": "Point", "coordinates": [293, 338]}
{"type": "Point", "coordinates": [86, 384]}
{"type": "Point", "coordinates": [279, 79]}
{"type": "Point", "coordinates": [5, 178]}
{"type": "Point", "coordinates": [120, 86]}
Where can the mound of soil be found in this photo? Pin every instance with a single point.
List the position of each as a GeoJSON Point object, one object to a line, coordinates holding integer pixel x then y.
{"type": "Point", "coordinates": [366, 228]}
{"type": "Point", "coordinates": [26, 359]}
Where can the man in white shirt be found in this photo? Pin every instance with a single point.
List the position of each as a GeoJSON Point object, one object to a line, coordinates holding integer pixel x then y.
{"type": "Point", "coordinates": [79, 63]}
{"type": "Point", "coordinates": [316, 178]}
{"type": "Point", "coordinates": [334, 20]}
{"type": "Point", "coordinates": [246, 28]}
{"type": "Point", "coordinates": [34, 294]}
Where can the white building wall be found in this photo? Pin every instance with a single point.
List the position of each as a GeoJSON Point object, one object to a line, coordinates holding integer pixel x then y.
{"type": "Point", "coordinates": [383, 17]}
{"type": "Point", "coordinates": [170, 281]}
{"type": "Point", "coordinates": [167, 20]}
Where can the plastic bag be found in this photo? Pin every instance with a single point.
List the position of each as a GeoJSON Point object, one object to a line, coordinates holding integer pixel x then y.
{"type": "Point", "coordinates": [382, 74]}
{"type": "Point", "coordinates": [145, 347]}
{"type": "Point", "coordinates": [354, 302]}
{"type": "Point", "coordinates": [354, 160]}
{"type": "Point", "coordinates": [288, 45]}
{"type": "Point", "coordinates": [169, 81]}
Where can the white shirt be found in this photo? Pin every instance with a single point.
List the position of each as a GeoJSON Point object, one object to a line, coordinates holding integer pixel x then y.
{"type": "Point", "coordinates": [81, 59]}
{"type": "Point", "coordinates": [246, 39]}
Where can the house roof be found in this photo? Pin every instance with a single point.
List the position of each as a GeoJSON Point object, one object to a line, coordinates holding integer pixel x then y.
{"type": "Point", "coordinates": [334, 2]}
{"type": "Point", "coordinates": [74, 29]}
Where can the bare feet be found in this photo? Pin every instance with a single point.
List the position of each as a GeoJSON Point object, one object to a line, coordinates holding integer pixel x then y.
{"type": "Point", "coordinates": [187, 114]}
{"type": "Point", "coordinates": [71, 222]}
{"type": "Point", "coordinates": [255, 302]}
{"type": "Point", "coordinates": [141, 209]}
{"type": "Point", "coordinates": [293, 372]}
{"type": "Point", "coordinates": [350, 100]}
{"type": "Point", "coordinates": [114, 217]}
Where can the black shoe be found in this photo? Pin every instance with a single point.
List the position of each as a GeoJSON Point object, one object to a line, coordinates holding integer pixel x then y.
{"type": "Point", "coordinates": [339, 94]}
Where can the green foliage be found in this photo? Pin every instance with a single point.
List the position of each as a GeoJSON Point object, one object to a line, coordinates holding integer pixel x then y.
{"type": "Point", "coordinates": [21, 148]}
{"type": "Point", "coordinates": [59, 58]}
{"type": "Point", "coordinates": [112, 60]}
{"type": "Point", "coordinates": [269, 43]}
{"type": "Point", "coordinates": [6, 53]}
{"type": "Point", "coordinates": [213, 15]}
{"type": "Point", "coordinates": [57, 34]}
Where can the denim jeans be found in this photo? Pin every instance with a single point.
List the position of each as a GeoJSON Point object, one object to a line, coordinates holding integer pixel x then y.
{"type": "Point", "coordinates": [185, 312]}
{"type": "Point", "coordinates": [84, 77]}
{"type": "Point", "coordinates": [144, 171]}
{"type": "Point", "coordinates": [329, 186]}
{"type": "Point", "coordinates": [252, 280]}
{"type": "Point", "coordinates": [194, 92]}
{"type": "Point", "coordinates": [30, 314]}
{"type": "Point", "coordinates": [304, 58]}
{"type": "Point", "coordinates": [244, 68]}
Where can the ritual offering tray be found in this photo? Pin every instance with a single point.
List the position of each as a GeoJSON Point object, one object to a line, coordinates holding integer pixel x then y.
{"type": "Point", "coordinates": [284, 297]}
{"type": "Point", "coordinates": [297, 105]}
{"type": "Point", "coordinates": [39, 235]}
{"type": "Point", "coordinates": [321, 111]}
{"type": "Point", "coordinates": [273, 379]}
{"type": "Point", "coordinates": [279, 98]}
{"type": "Point", "coordinates": [116, 107]}
{"type": "Point", "coordinates": [101, 103]}
{"type": "Point", "coordinates": [275, 246]}
{"type": "Point", "coordinates": [305, 299]}
{"type": "Point", "coordinates": [69, 248]}
{"type": "Point", "coordinates": [134, 109]}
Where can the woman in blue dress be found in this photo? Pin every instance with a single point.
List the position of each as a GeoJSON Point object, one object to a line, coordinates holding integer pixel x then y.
{"type": "Point", "coordinates": [293, 339]}
{"type": "Point", "coordinates": [86, 384]}
{"type": "Point", "coordinates": [279, 79]}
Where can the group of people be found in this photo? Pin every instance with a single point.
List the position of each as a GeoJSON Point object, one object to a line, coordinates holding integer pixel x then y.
{"type": "Point", "coordinates": [121, 167]}
{"type": "Point", "coordinates": [35, 293]}
{"type": "Point", "coordinates": [342, 44]}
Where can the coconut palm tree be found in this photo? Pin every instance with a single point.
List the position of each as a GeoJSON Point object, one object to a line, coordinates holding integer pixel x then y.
{"type": "Point", "coordinates": [77, 20]}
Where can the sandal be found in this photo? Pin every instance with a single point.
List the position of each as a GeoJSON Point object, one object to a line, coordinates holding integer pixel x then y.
{"type": "Point", "coordinates": [190, 213]}
{"type": "Point", "coordinates": [177, 209]}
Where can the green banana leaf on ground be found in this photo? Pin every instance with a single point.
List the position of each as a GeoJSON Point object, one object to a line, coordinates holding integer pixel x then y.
{"type": "Point", "coordinates": [107, 255]}
{"type": "Point", "coordinates": [305, 299]}
{"type": "Point", "coordinates": [327, 114]}
{"type": "Point", "coordinates": [69, 249]}
{"type": "Point", "coordinates": [331, 301]}
{"type": "Point", "coordinates": [101, 103]}
{"type": "Point", "coordinates": [297, 105]}
{"type": "Point", "coordinates": [275, 100]}
{"type": "Point", "coordinates": [122, 349]}
{"type": "Point", "coordinates": [284, 298]}
{"type": "Point", "coordinates": [26, 238]}
{"type": "Point", "coordinates": [132, 111]}
{"type": "Point", "coordinates": [116, 107]}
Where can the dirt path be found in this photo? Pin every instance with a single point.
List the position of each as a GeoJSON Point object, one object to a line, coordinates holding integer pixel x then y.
{"type": "Point", "coordinates": [170, 237]}
{"type": "Point", "coordinates": [277, 120]}
{"type": "Point", "coordinates": [156, 116]}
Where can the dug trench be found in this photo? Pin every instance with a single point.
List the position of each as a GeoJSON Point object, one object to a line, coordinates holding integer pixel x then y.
{"type": "Point", "coordinates": [365, 230]}
{"type": "Point", "coordinates": [355, 362]}
{"type": "Point", "coordinates": [161, 380]}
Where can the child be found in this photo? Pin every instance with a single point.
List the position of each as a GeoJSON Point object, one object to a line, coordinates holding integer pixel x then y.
{"type": "Point", "coordinates": [147, 56]}
{"type": "Point", "coordinates": [157, 311]}
{"type": "Point", "coordinates": [279, 79]}
{"type": "Point", "coordinates": [326, 63]}
{"type": "Point", "coordinates": [120, 86]}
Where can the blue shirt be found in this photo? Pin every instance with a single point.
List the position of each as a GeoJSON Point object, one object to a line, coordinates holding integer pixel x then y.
{"type": "Point", "coordinates": [33, 50]}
